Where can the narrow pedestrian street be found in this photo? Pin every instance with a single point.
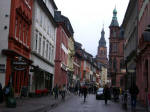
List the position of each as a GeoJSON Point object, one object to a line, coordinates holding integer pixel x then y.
{"type": "Point", "coordinates": [76, 104]}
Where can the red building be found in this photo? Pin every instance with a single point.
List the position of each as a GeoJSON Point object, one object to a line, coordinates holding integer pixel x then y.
{"type": "Point", "coordinates": [143, 52]}
{"type": "Point", "coordinates": [64, 31]}
{"type": "Point", "coordinates": [116, 58]}
{"type": "Point", "coordinates": [19, 39]}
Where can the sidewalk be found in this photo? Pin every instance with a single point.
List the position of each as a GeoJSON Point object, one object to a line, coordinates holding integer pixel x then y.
{"type": "Point", "coordinates": [139, 107]}
{"type": "Point", "coordinates": [37, 104]}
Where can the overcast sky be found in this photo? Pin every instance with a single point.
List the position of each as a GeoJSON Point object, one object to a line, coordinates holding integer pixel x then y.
{"type": "Point", "coordinates": [87, 18]}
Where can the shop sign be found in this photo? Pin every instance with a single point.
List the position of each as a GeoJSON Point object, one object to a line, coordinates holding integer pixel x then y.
{"type": "Point", "coordinates": [19, 64]}
{"type": "Point", "coordinates": [19, 68]}
{"type": "Point", "coordinates": [2, 68]}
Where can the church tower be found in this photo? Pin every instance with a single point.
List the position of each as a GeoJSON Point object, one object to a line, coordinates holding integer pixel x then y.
{"type": "Point", "coordinates": [102, 49]}
{"type": "Point", "coordinates": [116, 45]}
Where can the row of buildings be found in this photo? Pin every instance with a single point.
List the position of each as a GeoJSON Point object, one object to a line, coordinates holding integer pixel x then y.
{"type": "Point", "coordinates": [133, 47]}
{"type": "Point", "coordinates": [38, 49]}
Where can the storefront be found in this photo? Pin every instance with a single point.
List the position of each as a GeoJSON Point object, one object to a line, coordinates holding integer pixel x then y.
{"type": "Point", "coordinates": [17, 70]}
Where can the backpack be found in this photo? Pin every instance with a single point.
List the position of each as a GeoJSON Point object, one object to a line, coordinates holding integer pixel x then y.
{"type": "Point", "coordinates": [7, 90]}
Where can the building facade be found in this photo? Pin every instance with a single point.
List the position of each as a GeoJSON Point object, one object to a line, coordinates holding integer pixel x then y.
{"type": "Point", "coordinates": [77, 63]}
{"type": "Point", "coordinates": [71, 53]}
{"type": "Point", "coordinates": [16, 20]}
{"type": "Point", "coordinates": [43, 45]}
{"type": "Point", "coordinates": [130, 26]}
{"type": "Point", "coordinates": [143, 51]}
{"type": "Point", "coordinates": [64, 32]}
{"type": "Point", "coordinates": [116, 53]}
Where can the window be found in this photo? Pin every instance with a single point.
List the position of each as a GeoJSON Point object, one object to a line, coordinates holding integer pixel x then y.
{"type": "Point", "coordinates": [110, 62]}
{"type": "Point", "coordinates": [52, 54]}
{"type": "Point", "coordinates": [48, 29]}
{"type": "Point", "coordinates": [44, 23]}
{"type": "Point", "coordinates": [115, 47]}
{"type": "Point", "coordinates": [115, 65]}
{"type": "Point", "coordinates": [26, 40]}
{"type": "Point", "coordinates": [23, 37]}
{"type": "Point", "coordinates": [37, 14]}
{"type": "Point", "coordinates": [43, 54]}
{"type": "Point", "coordinates": [16, 29]}
{"type": "Point", "coordinates": [114, 34]}
{"type": "Point", "coordinates": [47, 49]}
{"type": "Point", "coordinates": [41, 18]}
{"type": "Point", "coordinates": [121, 63]}
{"type": "Point", "coordinates": [40, 38]}
{"type": "Point", "coordinates": [20, 31]}
{"type": "Point", "coordinates": [36, 40]}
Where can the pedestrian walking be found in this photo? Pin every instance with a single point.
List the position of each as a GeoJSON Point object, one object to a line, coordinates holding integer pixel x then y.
{"type": "Point", "coordinates": [84, 90]}
{"type": "Point", "coordinates": [106, 92]}
{"type": "Point", "coordinates": [1, 93]}
{"type": "Point", "coordinates": [63, 92]}
{"type": "Point", "coordinates": [56, 91]}
{"type": "Point", "coordinates": [133, 92]}
{"type": "Point", "coordinates": [116, 93]}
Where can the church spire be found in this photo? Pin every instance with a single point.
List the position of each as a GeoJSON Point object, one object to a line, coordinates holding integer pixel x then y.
{"type": "Point", "coordinates": [114, 21]}
{"type": "Point", "coordinates": [102, 41]}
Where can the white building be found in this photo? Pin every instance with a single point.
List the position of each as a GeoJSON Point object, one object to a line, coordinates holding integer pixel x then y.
{"type": "Point", "coordinates": [43, 45]}
{"type": "Point", "coordinates": [4, 29]}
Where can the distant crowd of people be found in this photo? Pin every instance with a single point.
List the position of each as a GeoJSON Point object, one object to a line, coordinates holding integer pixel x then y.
{"type": "Point", "coordinates": [115, 92]}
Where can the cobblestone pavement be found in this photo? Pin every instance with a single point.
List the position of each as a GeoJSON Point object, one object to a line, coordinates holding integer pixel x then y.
{"type": "Point", "coordinates": [38, 104]}
{"type": "Point", "coordinates": [76, 104]}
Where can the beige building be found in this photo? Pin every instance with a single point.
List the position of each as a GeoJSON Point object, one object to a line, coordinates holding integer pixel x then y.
{"type": "Point", "coordinates": [103, 74]}
{"type": "Point", "coordinates": [71, 52]}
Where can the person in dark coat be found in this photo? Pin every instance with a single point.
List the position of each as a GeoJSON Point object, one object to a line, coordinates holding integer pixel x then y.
{"type": "Point", "coordinates": [1, 93]}
{"type": "Point", "coordinates": [133, 92]}
{"type": "Point", "coordinates": [106, 93]}
{"type": "Point", "coordinates": [56, 91]}
{"type": "Point", "coordinates": [85, 91]}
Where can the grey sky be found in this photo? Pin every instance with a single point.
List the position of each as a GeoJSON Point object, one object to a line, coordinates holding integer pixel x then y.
{"type": "Point", "coordinates": [88, 16]}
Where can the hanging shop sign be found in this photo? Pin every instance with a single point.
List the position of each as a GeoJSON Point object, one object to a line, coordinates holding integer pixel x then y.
{"type": "Point", "coordinates": [19, 64]}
